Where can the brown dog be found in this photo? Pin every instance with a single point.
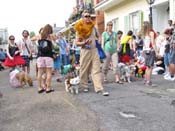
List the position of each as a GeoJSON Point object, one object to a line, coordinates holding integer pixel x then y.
{"type": "Point", "coordinates": [24, 79]}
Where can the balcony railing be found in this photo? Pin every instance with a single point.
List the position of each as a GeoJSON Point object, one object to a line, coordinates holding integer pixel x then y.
{"type": "Point", "coordinates": [78, 14]}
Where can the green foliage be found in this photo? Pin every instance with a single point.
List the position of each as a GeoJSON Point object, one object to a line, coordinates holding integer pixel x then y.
{"type": "Point", "coordinates": [32, 34]}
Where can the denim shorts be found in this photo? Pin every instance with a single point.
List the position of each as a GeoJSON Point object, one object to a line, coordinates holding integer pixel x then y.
{"type": "Point", "coordinates": [172, 57]}
{"type": "Point", "coordinates": [167, 59]}
{"type": "Point", "coordinates": [150, 58]}
{"type": "Point", "coordinates": [27, 60]}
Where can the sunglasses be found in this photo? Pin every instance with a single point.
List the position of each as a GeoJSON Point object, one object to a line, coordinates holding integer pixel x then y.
{"type": "Point", "coordinates": [12, 39]}
{"type": "Point", "coordinates": [87, 16]}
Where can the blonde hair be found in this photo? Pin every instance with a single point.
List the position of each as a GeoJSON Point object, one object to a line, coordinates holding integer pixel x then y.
{"type": "Point", "coordinates": [145, 28]}
{"type": "Point", "coordinates": [110, 23]}
{"type": "Point", "coordinates": [47, 30]}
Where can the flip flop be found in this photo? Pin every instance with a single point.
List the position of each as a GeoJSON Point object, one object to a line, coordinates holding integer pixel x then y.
{"type": "Point", "coordinates": [49, 91]}
{"type": "Point", "coordinates": [41, 91]}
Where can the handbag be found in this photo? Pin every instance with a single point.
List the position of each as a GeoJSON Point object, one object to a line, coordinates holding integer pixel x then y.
{"type": "Point", "coordinates": [101, 52]}
{"type": "Point", "coordinates": [30, 56]}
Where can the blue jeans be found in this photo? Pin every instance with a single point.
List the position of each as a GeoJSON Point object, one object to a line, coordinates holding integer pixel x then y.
{"type": "Point", "coordinates": [77, 58]}
{"type": "Point", "coordinates": [68, 59]}
{"type": "Point", "coordinates": [64, 59]}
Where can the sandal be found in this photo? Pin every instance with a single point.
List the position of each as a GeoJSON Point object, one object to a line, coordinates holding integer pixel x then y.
{"type": "Point", "coordinates": [50, 90]}
{"type": "Point", "coordinates": [41, 90]}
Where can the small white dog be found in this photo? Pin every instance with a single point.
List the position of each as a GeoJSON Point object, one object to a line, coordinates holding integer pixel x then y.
{"type": "Point", "coordinates": [72, 84]}
{"type": "Point", "coordinates": [126, 72]}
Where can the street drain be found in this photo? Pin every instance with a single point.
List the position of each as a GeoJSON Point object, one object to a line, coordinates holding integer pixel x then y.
{"type": "Point", "coordinates": [127, 114]}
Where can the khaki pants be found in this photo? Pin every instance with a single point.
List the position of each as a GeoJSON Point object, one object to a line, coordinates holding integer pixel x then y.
{"type": "Point", "coordinates": [114, 58]}
{"type": "Point", "coordinates": [90, 64]}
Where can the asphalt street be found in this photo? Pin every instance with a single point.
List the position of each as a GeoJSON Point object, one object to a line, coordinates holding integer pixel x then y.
{"type": "Point", "coordinates": [130, 107]}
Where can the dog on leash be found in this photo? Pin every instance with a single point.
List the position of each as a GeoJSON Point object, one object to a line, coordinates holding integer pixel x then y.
{"type": "Point", "coordinates": [140, 71]}
{"type": "Point", "coordinates": [126, 72]}
{"type": "Point", "coordinates": [72, 84]}
{"type": "Point", "coordinates": [24, 79]}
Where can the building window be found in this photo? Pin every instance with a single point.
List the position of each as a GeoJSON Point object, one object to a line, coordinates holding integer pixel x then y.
{"type": "Point", "coordinates": [115, 24]}
{"type": "Point", "coordinates": [133, 22]}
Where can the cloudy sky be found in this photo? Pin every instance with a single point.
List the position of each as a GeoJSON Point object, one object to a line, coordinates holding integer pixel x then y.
{"type": "Point", "coordinates": [18, 15]}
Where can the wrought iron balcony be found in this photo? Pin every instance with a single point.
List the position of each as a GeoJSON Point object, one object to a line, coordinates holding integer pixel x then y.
{"type": "Point", "coordinates": [76, 16]}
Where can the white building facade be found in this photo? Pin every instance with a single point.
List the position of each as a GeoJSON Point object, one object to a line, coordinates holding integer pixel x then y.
{"type": "Point", "coordinates": [130, 14]}
{"type": "Point", "coordinates": [3, 37]}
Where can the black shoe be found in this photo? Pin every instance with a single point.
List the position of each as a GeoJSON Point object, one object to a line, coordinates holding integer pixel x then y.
{"type": "Point", "coordinates": [58, 80]}
{"type": "Point", "coordinates": [89, 81]}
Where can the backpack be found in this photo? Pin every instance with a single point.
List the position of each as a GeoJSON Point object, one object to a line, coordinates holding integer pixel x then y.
{"type": "Point", "coordinates": [44, 46]}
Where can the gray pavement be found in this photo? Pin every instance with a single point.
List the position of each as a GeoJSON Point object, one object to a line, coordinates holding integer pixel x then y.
{"type": "Point", "coordinates": [130, 107]}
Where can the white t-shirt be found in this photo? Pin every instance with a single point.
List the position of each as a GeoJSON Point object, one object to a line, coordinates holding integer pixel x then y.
{"type": "Point", "coordinates": [162, 48]}
{"type": "Point", "coordinates": [147, 42]}
{"type": "Point", "coordinates": [23, 47]}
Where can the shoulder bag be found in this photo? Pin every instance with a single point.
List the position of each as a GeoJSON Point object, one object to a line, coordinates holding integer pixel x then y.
{"type": "Point", "coordinates": [30, 55]}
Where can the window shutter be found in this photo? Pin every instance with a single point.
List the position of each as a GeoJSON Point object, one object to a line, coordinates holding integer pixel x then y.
{"type": "Point", "coordinates": [140, 14]}
{"type": "Point", "coordinates": [126, 24]}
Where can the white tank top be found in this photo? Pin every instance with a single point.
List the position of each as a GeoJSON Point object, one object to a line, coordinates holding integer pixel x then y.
{"type": "Point", "coordinates": [147, 42]}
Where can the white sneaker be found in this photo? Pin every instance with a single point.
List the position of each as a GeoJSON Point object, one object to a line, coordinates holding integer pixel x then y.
{"type": "Point", "coordinates": [103, 92]}
{"type": "Point", "coordinates": [170, 78]}
{"type": "Point", "coordinates": [166, 76]}
{"type": "Point", "coordinates": [173, 78]}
